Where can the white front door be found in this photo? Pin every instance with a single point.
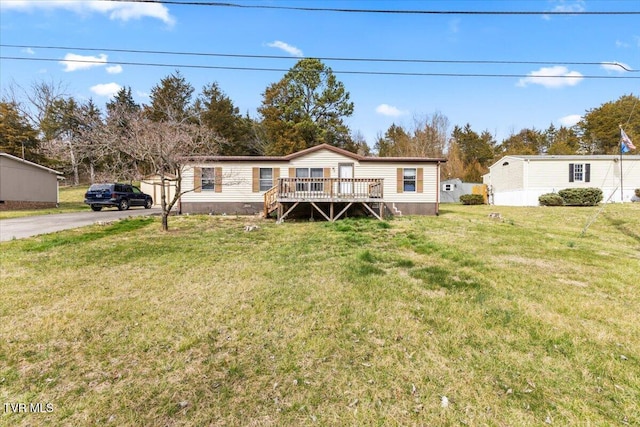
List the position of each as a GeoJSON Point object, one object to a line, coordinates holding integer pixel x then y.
{"type": "Point", "coordinates": [345, 171]}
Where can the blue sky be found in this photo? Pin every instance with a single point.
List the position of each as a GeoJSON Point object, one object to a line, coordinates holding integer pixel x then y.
{"type": "Point", "coordinates": [501, 105]}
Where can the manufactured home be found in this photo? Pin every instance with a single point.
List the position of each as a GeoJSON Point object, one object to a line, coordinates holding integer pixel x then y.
{"type": "Point", "coordinates": [520, 180]}
{"type": "Point", "coordinates": [325, 180]}
{"type": "Point", "coordinates": [27, 185]}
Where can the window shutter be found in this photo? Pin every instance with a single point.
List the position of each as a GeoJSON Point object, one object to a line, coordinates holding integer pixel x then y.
{"type": "Point", "coordinates": [292, 172]}
{"type": "Point", "coordinates": [570, 172]}
{"type": "Point", "coordinates": [420, 178]}
{"type": "Point", "coordinates": [587, 172]}
{"type": "Point", "coordinates": [197, 179]}
{"type": "Point", "coordinates": [218, 180]}
{"type": "Point", "coordinates": [400, 180]}
{"type": "Point", "coordinates": [276, 176]}
{"type": "Point", "coordinates": [327, 172]}
{"type": "Point", "coordinates": [255, 184]}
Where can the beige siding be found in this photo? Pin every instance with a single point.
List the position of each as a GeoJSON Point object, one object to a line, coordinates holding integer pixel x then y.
{"type": "Point", "coordinates": [506, 177]}
{"type": "Point", "coordinates": [25, 182]}
{"type": "Point", "coordinates": [388, 171]}
{"type": "Point", "coordinates": [322, 159]}
{"type": "Point", "coordinates": [524, 180]}
{"type": "Point", "coordinates": [237, 177]}
{"type": "Point", "coordinates": [236, 182]}
{"type": "Point", "coordinates": [555, 173]}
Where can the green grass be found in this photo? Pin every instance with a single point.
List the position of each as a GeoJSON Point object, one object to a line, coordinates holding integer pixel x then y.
{"type": "Point", "coordinates": [71, 199]}
{"type": "Point", "coordinates": [522, 321]}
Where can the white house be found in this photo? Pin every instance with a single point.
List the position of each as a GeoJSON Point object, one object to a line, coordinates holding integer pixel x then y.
{"type": "Point", "coordinates": [324, 179]}
{"type": "Point", "coordinates": [26, 185]}
{"type": "Point", "coordinates": [520, 180]}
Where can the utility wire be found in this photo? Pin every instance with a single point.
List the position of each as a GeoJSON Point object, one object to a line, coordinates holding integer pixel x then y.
{"type": "Point", "coordinates": [379, 11]}
{"type": "Point", "coordinates": [387, 60]}
{"type": "Point", "coordinates": [370, 73]}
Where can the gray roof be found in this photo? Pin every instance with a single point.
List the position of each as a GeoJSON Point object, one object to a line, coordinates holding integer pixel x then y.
{"type": "Point", "coordinates": [27, 162]}
{"type": "Point", "coordinates": [571, 157]}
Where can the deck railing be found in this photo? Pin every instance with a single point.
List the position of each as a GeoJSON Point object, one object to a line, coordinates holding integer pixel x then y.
{"type": "Point", "coordinates": [270, 200]}
{"type": "Point", "coordinates": [330, 189]}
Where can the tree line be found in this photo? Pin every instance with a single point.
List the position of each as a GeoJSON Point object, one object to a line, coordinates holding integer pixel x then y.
{"type": "Point", "coordinates": [307, 107]}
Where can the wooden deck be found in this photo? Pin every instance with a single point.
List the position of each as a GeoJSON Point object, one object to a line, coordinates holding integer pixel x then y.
{"type": "Point", "coordinates": [288, 193]}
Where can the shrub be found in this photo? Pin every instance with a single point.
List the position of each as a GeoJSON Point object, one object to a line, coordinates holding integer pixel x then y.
{"type": "Point", "coordinates": [638, 192]}
{"type": "Point", "coordinates": [472, 199]}
{"type": "Point", "coordinates": [581, 196]}
{"type": "Point", "coordinates": [551, 199]}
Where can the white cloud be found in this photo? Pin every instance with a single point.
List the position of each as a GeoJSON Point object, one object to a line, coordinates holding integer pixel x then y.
{"type": "Point", "coordinates": [570, 120]}
{"type": "Point", "coordinates": [116, 10]}
{"type": "Point", "coordinates": [565, 6]}
{"type": "Point", "coordinates": [389, 110]}
{"type": "Point", "coordinates": [114, 69]}
{"type": "Point", "coordinates": [291, 50]}
{"type": "Point", "coordinates": [619, 67]}
{"type": "Point", "coordinates": [569, 6]}
{"type": "Point", "coordinates": [552, 77]}
{"type": "Point", "coordinates": [106, 89]}
{"type": "Point", "coordinates": [73, 62]}
{"type": "Point", "coordinates": [29, 51]}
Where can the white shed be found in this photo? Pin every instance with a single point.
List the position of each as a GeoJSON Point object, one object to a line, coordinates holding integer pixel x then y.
{"type": "Point", "coordinates": [520, 180]}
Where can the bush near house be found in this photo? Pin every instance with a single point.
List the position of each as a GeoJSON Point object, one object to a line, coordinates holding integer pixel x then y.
{"type": "Point", "coordinates": [472, 199]}
{"type": "Point", "coordinates": [551, 199]}
{"type": "Point", "coordinates": [581, 196]}
{"type": "Point", "coordinates": [637, 192]}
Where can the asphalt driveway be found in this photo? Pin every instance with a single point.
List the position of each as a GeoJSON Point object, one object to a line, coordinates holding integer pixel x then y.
{"type": "Point", "coordinates": [19, 228]}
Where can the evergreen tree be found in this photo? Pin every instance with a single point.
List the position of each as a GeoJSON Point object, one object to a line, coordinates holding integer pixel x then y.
{"type": "Point", "coordinates": [306, 108]}
{"type": "Point", "coordinates": [171, 100]}
{"type": "Point", "coordinates": [17, 136]}
{"type": "Point", "coordinates": [599, 128]}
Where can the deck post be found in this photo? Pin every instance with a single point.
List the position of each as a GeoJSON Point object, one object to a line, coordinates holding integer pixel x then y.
{"type": "Point", "coordinates": [319, 210]}
{"type": "Point", "coordinates": [371, 210]}
{"type": "Point", "coordinates": [343, 211]}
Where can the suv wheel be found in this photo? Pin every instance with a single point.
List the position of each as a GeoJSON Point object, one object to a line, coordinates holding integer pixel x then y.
{"type": "Point", "coordinates": [148, 203]}
{"type": "Point", "coordinates": [96, 208]}
{"type": "Point", "coordinates": [123, 205]}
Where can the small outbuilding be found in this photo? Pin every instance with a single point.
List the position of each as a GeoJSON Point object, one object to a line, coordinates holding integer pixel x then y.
{"type": "Point", "coordinates": [152, 185]}
{"type": "Point", "coordinates": [27, 185]}
{"type": "Point", "coordinates": [452, 189]}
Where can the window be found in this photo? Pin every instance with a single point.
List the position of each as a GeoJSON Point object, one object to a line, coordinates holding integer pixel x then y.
{"type": "Point", "coordinates": [208, 179]}
{"type": "Point", "coordinates": [266, 179]}
{"type": "Point", "coordinates": [308, 184]}
{"type": "Point", "coordinates": [409, 180]}
{"type": "Point", "coordinates": [579, 172]}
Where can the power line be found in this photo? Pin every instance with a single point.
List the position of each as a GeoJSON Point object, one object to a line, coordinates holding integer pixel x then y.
{"type": "Point", "coordinates": [386, 60]}
{"type": "Point", "coordinates": [380, 11]}
{"type": "Point", "coordinates": [370, 73]}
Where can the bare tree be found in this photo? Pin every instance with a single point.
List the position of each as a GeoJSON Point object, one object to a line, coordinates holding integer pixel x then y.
{"type": "Point", "coordinates": [427, 138]}
{"type": "Point", "coordinates": [158, 147]}
{"type": "Point", "coordinates": [430, 135]}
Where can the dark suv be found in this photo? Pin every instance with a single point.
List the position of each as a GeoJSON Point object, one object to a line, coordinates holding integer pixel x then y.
{"type": "Point", "coordinates": [121, 196]}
